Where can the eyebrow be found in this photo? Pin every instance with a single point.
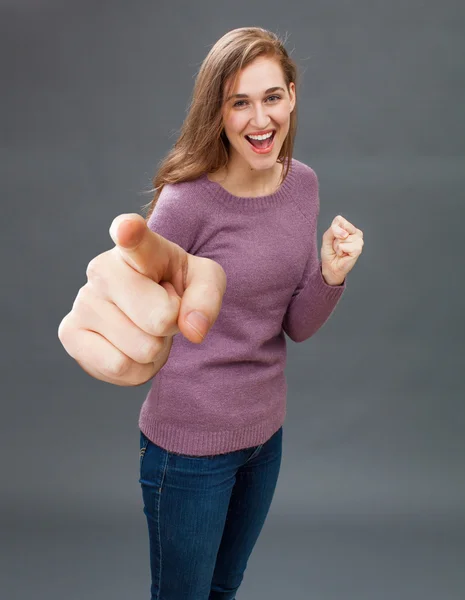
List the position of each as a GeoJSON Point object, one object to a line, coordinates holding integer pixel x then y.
{"type": "Point", "coordinates": [268, 91]}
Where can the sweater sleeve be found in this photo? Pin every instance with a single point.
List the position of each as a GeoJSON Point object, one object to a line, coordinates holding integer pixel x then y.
{"type": "Point", "coordinates": [174, 216]}
{"type": "Point", "coordinates": [313, 301]}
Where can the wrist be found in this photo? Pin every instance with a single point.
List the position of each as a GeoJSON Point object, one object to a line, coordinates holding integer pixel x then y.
{"type": "Point", "coordinates": [331, 280]}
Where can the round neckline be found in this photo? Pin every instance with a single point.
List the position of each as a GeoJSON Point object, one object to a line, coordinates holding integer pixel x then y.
{"type": "Point", "coordinates": [251, 202]}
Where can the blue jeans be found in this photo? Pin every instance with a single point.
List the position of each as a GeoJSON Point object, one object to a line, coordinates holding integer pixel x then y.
{"type": "Point", "coordinates": [204, 516]}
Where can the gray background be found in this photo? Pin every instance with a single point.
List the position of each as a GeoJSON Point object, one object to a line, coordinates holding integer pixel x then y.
{"type": "Point", "coordinates": [370, 501]}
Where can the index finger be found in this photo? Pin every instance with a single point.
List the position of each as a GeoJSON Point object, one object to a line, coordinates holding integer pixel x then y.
{"type": "Point", "coordinates": [144, 250]}
{"type": "Point", "coordinates": [345, 224]}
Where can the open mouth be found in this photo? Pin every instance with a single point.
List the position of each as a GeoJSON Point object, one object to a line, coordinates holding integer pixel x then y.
{"type": "Point", "coordinates": [263, 143]}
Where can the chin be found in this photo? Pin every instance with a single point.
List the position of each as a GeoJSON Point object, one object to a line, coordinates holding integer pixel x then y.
{"type": "Point", "coordinates": [262, 165]}
{"type": "Point", "coordinates": [261, 162]}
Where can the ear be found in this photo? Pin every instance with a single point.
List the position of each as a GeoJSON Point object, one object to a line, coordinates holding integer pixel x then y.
{"type": "Point", "coordinates": [292, 95]}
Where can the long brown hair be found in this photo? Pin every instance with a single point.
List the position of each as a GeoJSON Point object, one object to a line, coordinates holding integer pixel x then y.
{"type": "Point", "coordinates": [202, 146]}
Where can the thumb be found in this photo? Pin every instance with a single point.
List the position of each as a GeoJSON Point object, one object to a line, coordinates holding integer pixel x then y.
{"type": "Point", "coordinates": [198, 283]}
{"type": "Point", "coordinates": [202, 298]}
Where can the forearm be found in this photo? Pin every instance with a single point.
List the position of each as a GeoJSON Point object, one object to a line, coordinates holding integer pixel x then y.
{"type": "Point", "coordinates": [312, 307]}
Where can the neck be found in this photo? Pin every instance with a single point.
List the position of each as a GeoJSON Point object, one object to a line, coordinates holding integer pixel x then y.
{"type": "Point", "coordinates": [240, 179]}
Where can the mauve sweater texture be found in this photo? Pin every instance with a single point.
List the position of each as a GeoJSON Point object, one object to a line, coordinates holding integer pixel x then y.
{"type": "Point", "coordinates": [230, 391]}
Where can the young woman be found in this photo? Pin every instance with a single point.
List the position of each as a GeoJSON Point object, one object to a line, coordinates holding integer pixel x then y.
{"type": "Point", "coordinates": [229, 247]}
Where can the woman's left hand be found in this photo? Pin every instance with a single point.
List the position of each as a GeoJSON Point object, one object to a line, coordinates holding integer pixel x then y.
{"type": "Point", "coordinates": [341, 247]}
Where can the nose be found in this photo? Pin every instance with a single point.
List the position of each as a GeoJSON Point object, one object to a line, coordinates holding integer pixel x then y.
{"type": "Point", "coordinates": [260, 118]}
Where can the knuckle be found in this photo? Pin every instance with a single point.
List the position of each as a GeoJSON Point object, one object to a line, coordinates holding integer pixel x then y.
{"type": "Point", "coordinates": [117, 367]}
{"type": "Point", "coordinates": [161, 319]}
{"type": "Point", "coordinates": [97, 276]}
{"type": "Point", "coordinates": [96, 267]}
{"type": "Point", "coordinates": [221, 274]}
{"type": "Point", "coordinates": [93, 268]}
{"type": "Point", "coordinates": [219, 279]}
{"type": "Point", "coordinates": [84, 305]}
{"type": "Point", "coordinates": [65, 329]}
{"type": "Point", "coordinates": [68, 334]}
{"type": "Point", "coordinates": [149, 350]}
{"type": "Point", "coordinates": [83, 297]}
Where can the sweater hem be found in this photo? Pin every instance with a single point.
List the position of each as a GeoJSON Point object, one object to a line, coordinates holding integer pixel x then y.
{"type": "Point", "coordinates": [179, 440]}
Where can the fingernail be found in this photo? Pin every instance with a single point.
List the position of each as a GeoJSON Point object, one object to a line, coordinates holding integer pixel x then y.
{"type": "Point", "coordinates": [199, 322]}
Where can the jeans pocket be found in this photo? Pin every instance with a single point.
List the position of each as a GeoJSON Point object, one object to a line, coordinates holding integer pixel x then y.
{"type": "Point", "coordinates": [144, 442]}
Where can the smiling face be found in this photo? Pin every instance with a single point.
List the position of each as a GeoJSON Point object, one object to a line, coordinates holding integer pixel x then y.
{"type": "Point", "coordinates": [260, 105]}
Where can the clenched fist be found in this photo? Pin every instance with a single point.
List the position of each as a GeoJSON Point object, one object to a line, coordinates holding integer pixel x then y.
{"type": "Point", "coordinates": [138, 296]}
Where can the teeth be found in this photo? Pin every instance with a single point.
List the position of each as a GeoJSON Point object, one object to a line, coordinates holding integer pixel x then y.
{"type": "Point", "coordinates": [261, 137]}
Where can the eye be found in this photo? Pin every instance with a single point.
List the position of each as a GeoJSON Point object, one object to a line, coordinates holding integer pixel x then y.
{"type": "Point", "coordinates": [238, 103]}
{"type": "Point", "coordinates": [274, 96]}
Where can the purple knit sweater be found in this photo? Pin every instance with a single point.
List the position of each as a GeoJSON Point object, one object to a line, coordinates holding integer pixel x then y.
{"type": "Point", "coordinates": [229, 392]}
